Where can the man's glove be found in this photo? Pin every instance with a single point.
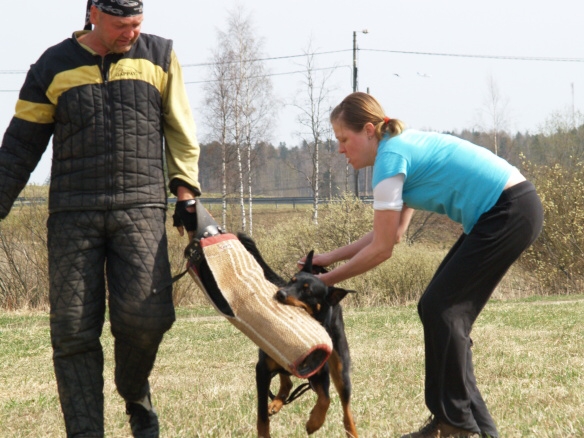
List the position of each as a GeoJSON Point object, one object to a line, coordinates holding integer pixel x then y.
{"type": "Point", "coordinates": [184, 218]}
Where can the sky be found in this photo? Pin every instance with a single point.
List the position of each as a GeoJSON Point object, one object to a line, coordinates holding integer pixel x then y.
{"type": "Point", "coordinates": [428, 62]}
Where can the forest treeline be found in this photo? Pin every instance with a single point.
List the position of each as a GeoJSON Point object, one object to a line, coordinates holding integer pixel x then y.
{"type": "Point", "coordinates": [278, 171]}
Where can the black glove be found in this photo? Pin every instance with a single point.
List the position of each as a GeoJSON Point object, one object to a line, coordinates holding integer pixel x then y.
{"type": "Point", "coordinates": [184, 218]}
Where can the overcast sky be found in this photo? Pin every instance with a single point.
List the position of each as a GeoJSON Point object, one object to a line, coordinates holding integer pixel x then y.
{"type": "Point", "coordinates": [427, 61]}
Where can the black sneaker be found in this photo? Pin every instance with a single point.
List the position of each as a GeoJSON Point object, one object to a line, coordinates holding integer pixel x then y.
{"type": "Point", "coordinates": [434, 428]}
{"type": "Point", "coordinates": [143, 418]}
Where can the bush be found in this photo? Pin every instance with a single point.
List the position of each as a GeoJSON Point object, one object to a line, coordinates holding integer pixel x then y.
{"type": "Point", "coordinates": [24, 277]}
{"type": "Point", "coordinates": [401, 279]}
{"type": "Point", "coordinates": [557, 257]}
{"type": "Point", "coordinates": [555, 261]}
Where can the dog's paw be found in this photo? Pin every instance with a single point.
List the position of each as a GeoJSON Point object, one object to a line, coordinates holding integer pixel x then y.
{"type": "Point", "coordinates": [317, 417]}
{"type": "Point", "coordinates": [275, 406]}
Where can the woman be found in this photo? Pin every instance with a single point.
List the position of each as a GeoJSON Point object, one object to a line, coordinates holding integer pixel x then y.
{"type": "Point", "coordinates": [501, 216]}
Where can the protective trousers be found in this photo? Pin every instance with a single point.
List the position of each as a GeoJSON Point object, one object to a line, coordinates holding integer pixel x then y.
{"type": "Point", "coordinates": [458, 292]}
{"type": "Point", "coordinates": [129, 248]}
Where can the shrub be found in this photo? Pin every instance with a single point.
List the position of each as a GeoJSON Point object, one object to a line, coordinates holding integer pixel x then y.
{"type": "Point", "coordinates": [557, 257]}
{"type": "Point", "coordinates": [24, 278]}
{"type": "Point", "coordinates": [403, 278]}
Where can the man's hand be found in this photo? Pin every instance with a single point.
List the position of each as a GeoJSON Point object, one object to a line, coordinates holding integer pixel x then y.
{"type": "Point", "coordinates": [185, 213]}
{"type": "Point", "coordinates": [184, 217]}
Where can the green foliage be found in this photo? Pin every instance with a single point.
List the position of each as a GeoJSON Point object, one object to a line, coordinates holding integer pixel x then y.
{"type": "Point", "coordinates": [557, 257]}
{"type": "Point", "coordinates": [403, 278]}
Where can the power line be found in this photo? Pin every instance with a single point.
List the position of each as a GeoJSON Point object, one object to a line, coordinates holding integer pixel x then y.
{"type": "Point", "coordinates": [271, 74]}
{"type": "Point", "coordinates": [459, 55]}
{"type": "Point", "coordinates": [273, 58]}
{"type": "Point", "coordinates": [403, 52]}
{"type": "Point", "coordinates": [254, 77]}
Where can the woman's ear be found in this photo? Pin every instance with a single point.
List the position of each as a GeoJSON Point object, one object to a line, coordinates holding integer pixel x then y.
{"type": "Point", "coordinates": [369, 129]}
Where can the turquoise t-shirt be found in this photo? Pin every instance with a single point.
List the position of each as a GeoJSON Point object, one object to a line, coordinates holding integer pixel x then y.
{"type": "Point", "coordinates": [443, 174]}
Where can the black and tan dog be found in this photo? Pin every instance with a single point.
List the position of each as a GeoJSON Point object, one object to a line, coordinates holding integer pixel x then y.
{"type": "Point", "coordinates": [322, 302]}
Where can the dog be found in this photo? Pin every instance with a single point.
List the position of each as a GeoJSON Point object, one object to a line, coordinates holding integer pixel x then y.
{"type": "Point", "coordinates": [308, 292]}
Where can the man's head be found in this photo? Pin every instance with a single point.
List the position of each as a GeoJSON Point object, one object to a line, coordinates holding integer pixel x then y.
{"type": "Point", "coordinates": [119, 8]}
{"type": "Point", "coordinates": [116, 24]}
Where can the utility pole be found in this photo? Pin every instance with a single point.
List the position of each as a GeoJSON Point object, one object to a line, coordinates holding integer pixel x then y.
{"type": "Point", "coordinates": [356, 171]}
{"type": "Point", "coordinates": [573, 108]}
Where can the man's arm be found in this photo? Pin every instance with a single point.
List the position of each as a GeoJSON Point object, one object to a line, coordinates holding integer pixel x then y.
{"type": "Point", "coordinates": [182, 147]}
{"type": "Point", "coordinates": [25, 140]}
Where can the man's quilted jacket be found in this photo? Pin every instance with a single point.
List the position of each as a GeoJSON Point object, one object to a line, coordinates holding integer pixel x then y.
{"type": "Point", "coordinates": [108, 117]}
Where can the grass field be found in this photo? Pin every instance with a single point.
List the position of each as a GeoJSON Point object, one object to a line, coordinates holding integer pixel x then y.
{"type": "Point", "coordinates": [529, 359]}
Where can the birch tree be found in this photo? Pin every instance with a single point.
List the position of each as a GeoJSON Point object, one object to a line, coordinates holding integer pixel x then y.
{"type": "Point", "coordinates": [314, 107]}
{"type": "Point", "coordinates": [218, 112]}
{"type": "Point", "coordinates": [240, 91]}
{"type": "Point", "coordinates": [495, 110]}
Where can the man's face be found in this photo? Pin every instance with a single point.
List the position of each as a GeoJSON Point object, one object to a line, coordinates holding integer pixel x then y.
{"type": "Point", "coordinates": [115, 34]}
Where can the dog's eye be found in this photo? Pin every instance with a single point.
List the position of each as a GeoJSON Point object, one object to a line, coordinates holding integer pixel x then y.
{"type": "Point", "coordinates": [294, 280]}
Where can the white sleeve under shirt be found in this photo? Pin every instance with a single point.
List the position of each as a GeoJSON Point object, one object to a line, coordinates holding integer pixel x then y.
{"type": "Point", "coordinates": [387, 194]}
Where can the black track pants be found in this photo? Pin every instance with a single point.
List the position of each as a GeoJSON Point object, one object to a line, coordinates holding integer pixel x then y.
{"type": "Point", "coordinates": [129, 248]}
{"type": "Point", "coordinates": [456, 295]}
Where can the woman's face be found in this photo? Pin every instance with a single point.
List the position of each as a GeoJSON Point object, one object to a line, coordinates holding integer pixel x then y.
{"type": "Point", "coordinates": [359, 148]}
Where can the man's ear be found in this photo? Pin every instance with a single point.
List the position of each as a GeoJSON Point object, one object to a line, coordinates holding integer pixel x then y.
{"type": "Point", "coordinates": [336, 294]}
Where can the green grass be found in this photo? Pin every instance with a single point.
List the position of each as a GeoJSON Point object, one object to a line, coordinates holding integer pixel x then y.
{"type": "Point", "coordinates": [529, 360]}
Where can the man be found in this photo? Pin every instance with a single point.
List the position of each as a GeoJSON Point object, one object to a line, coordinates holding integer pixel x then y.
{"type": "Point", "coordinates": [108, 96]}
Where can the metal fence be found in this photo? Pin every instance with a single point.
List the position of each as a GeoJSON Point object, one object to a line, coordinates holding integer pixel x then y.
{"type": "Point", "coordinates": [290, 200]}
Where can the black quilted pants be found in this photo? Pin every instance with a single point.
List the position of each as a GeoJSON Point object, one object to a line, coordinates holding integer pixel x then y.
{"type": "Point", "coordinates": [127, 251]}
{"type": "Point", "coordinates": [456, 295]}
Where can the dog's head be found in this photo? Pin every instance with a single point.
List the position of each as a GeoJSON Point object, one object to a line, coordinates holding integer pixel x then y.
{"type": "Point", "coordinates": [308, 292]}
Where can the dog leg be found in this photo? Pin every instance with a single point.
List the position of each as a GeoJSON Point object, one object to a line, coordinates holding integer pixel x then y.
{"type": "Point", "coordinates": [283, 393]}
{"type": "Point", "coordinates": [342, 381]}
{"type": "Point", "coordinates": [320, 383]}
{"type": "Point", "coordinates": [263, 379]}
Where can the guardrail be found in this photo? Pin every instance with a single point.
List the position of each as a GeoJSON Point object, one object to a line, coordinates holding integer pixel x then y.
{"type": "Point", "coordinates": [285, 200]}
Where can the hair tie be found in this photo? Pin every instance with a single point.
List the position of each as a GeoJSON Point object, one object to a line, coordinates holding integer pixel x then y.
{"type": "Point", "coordinates": [386, 120]}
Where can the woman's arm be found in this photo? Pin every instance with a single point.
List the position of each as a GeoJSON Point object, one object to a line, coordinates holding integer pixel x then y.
{"type": "Point", "coordinates": [368, 252]}
{"type": "Point", "coordinates": [342, 253]}
{"type": "Point", "coordinates": [404, 222]}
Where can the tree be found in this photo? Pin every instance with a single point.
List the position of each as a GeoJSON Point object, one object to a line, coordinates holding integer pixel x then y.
{"type": "Point", "coordinates": [313, 109]}
{"type": "Point", "coordinates": [562, 141]}
{"type": "Point", "coordinates": [495, 111]}
{"type": "Point", "coordinates": [219, 109]}
{"type": "Point", "coordinates": [241, 94]}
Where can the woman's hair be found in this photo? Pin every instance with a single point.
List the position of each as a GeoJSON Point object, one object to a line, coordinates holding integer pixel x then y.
{"type": "Point", "coordinates": [358, 109]}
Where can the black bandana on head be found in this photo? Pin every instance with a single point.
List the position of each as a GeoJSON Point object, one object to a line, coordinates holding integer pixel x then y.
{"type": "Point", "coordinates": [87, 21]}
{"type": "Point", "coordinates": [119, 8]}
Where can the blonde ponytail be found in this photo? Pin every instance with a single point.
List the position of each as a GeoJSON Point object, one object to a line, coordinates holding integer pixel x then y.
{"type": "Point", "coordinates": [358, 109]}
{"type": "Point", "coordinates": [389, 126]}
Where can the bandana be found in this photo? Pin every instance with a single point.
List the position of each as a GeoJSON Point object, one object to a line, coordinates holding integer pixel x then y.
{"type": "Point", "coordinates": [119, 8]}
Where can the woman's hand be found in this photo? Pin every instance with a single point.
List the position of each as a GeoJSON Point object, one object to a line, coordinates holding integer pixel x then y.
{"type": "Point", "coordinates": [323, 260]}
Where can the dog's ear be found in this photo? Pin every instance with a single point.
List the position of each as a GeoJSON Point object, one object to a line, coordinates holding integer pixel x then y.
{"type": "Point", "coordinates": [316, 269]}
{"type": "Point", "coordinates": [336, 294]}
{"type": "Point", "coordinates": [308, 263]}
